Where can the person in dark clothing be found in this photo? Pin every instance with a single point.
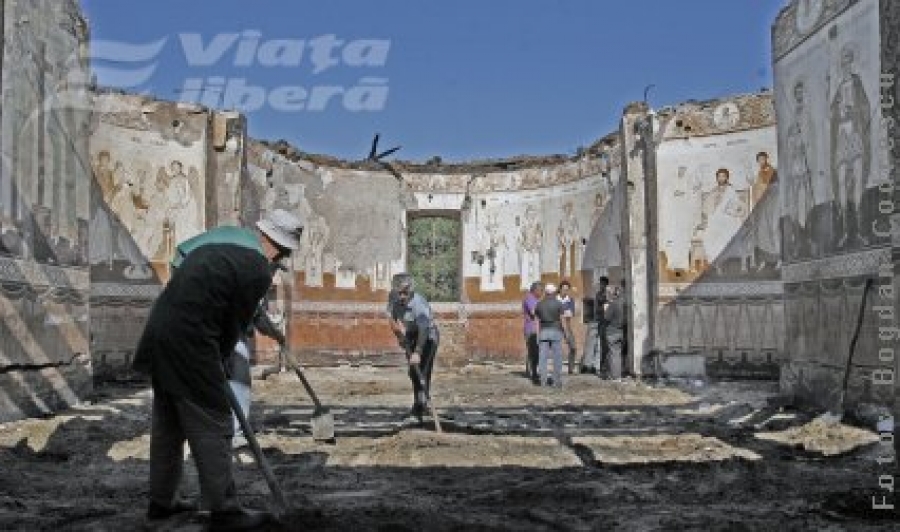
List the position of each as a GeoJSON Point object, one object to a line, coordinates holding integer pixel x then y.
{"type": "Point", "coordinates": [237, 365]}
{"type": "Point", "coordinates": [420, 338]}
{"type": "Point", "coordinates": [531, 329]}
{"type": "Point", "coordinates": [193, 326]}
{"type": "Point", "coordinates": [595, 346]}
{"type": "Point", "coordinates": [549, 312]}
{"type": "Point", "coordinates": [615, 331]}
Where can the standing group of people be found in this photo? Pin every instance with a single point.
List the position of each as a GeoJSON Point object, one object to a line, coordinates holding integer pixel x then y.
{"type": "Point", "coordinates": [548, 313]}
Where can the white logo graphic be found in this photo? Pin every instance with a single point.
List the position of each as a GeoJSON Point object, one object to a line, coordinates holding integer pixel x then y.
{"type": "Point", "coordinates": [125, 65]}
{"type": "Point", "coordinates": [212, 61]}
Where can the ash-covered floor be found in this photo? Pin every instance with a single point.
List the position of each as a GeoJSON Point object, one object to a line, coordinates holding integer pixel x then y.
{"type": "Point", "coordinates": [595, 455]}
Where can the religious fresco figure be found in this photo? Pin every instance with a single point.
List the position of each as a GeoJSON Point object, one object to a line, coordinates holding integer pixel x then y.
{"type": "Point", "coordinates": [766, 208]}
{"type": "Point", "coordinates": [797, 160]}
{"type": "Point", "coordinates": [149, 231]}
{"type": "Point", "coordinates": [568, 236]}
{"type": "Point", "coordinates": [531, 238]}
{"type": "Point", "coordinates": [105, 183]}
{"type": "Point", "coordinates": [126, 204]}
{"type": "Point", "coordinates": [184, 212]}
{"type": "Point", "coordinates": [676, 233]}
{"type": "Point", "coordinates": [492, 247]}
{"type": "Point", "coordinates": [316, 238]}
{"type": "Point", "coordinates": [723, 213]}
{"type": "Point", "coordinates": [850, 146]}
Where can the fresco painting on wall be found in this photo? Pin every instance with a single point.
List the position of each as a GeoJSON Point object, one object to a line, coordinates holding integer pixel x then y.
{"type": "Point", "coordinates": [110, 238]}
{"type": "Point", "coordinates": [568, 237]}
{"type": "Point", "coordinates": [148, 197]}
{"type": "Point", "coordinates": [140, 219]}
{"type": "Point", "coordinates": [316, 238]}
{"type": "Point", "coordinates": [800, 138]}
{"type": "Point", "coordinates": [828, 172]}
{"type": "Point", "coordinates": [492, 247]}
{"type": "Point", "coordinates": [763, 229]}
{"type": "Point", "coordinates": [530, 242]}
{"type": "Point", "coordinates": [718, 206]}
{"type": "Point", "coordinates": [723, 210]}
{"type": "Point", "coordinates": [851, 151]}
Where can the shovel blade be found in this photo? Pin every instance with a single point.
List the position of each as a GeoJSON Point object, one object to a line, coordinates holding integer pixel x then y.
{"type": "Point", "coordinates": [323, 426]}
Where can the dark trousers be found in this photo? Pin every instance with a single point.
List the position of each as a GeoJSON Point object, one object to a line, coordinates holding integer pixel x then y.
{"type": "Point", "coordinates": [532, 353]}
{"type": "Point", "coordinates": [603, 339]}
{"type": "Point", "coordinates": [420, 394]}
{"type": "Point", "coordinates": [208, 434]}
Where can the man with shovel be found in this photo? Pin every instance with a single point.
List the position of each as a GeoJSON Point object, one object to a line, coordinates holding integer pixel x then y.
{"type": "Point", "coordinates": [414, 323]}
{"type": "Point", "coordinates": [195, 322]}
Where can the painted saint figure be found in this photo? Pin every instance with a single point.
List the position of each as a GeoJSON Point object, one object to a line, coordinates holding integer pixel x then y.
{"type": "Point", "coordinates": [106, 181]}
{"type": "Point", "coordinates": [799, 171]}
{"type": "Point", "coordinates": [723, 214]}
{"type": "Point", "coordinates": [530, 241]}
{"type": "Point", "coordinates": [184, 213]}
{"type": "Point", "coordinates": [766, 213]}
{"type": "Point", "coordinates": [314, 249]}
{"type": "Point", "coordinates": [493, 246]}
{"type": "Point", "coordinates": [850, 146]}
{"type": "Point", "coordinates": [569, 240]}
{"type": "Point", "coordinates": [677, 232]}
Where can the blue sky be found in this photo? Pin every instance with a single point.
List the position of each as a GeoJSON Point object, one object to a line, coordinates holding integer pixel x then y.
{"type": "Point", "coordinates": [465, 79]}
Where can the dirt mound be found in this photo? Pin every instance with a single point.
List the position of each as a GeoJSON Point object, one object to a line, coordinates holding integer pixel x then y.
{"type": "Point", "coordinates": [822, 436]}
{"type": "Point", "coordinates": [421, 448]}
{"type": "Point", "coordinates": [661, 448]}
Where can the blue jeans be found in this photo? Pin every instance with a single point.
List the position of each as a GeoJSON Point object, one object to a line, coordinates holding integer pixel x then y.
{"type": "Point", "coordinates": [550, 341]}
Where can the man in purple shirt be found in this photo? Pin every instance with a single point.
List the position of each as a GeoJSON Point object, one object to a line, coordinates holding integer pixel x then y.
{"type": "Point", "coordinates": [531, 329]}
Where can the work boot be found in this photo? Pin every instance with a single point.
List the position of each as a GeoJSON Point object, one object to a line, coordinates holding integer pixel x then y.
{"type": "Point", "coordinates": [158, 512]}
{"type": "Point", "coordinates": [238, 519]}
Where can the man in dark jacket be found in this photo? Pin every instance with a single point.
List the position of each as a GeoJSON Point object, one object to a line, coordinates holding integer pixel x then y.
{"type": "Point", "coordinates": [595, 345]}
{"type": "Point", "coordinates": [194, 324]}
{"type": "Point", "coordinates": [420, 338]}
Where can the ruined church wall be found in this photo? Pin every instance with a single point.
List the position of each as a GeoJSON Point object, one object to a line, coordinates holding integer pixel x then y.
{"type": "Point", "coordinates": [151, 164]}
{"type": "Point", "coordinates": [519, 226]}
{"type": "Point", "coordinates": [718, 291]}
{"type": "Point", "coordinates": [44, 181]}
{"type": "Point", "coordinates": [829, 57]}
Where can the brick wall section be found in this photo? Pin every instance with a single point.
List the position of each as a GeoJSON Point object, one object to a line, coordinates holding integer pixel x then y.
{"type": "Point", "coordinates": [329, 338]}
{"type": "Point", "coordinates": [336, 335]}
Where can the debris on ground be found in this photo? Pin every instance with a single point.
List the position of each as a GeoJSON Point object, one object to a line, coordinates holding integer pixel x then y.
{"type": "Point", "coordinates": [823, 436]}
{"type": "Point", "coordinates": [595, 455]}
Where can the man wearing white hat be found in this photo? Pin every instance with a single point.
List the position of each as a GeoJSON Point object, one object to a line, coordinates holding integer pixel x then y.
{"type": "Point", "coordinates": [549, 312]}
{"type": "Point", "coordinates": [195, 322]}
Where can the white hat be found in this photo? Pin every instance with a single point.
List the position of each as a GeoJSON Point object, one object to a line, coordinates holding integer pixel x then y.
{"type": "Point", "coordinates": [283, 228]}
{"type": "Point", "coordinates": [550, 288]}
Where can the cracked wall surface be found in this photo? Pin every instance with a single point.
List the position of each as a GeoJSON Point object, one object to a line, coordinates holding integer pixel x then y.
{"type": "Point", "coordinates": [44, 188]}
